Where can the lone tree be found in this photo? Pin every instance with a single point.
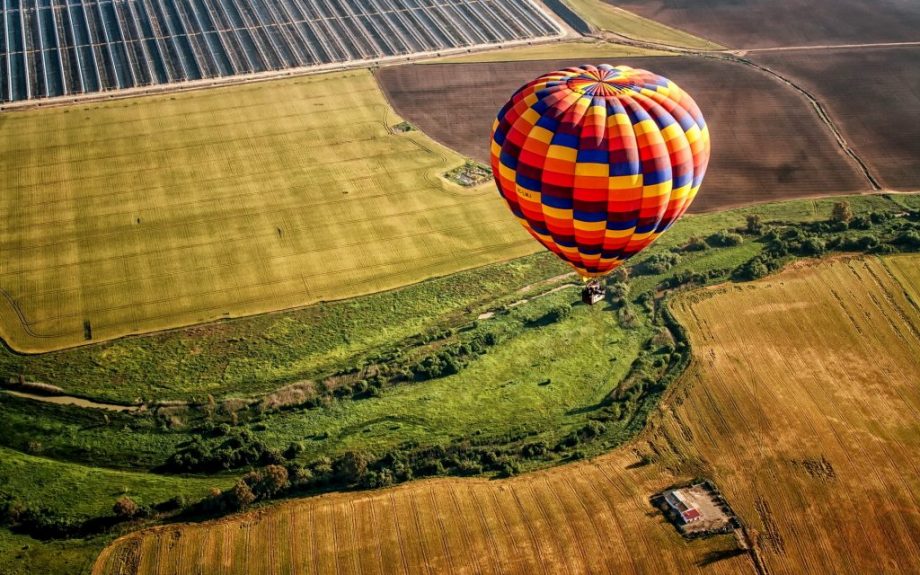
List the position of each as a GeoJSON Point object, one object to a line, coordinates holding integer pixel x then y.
{"type": "Point", "coordinates": [842, 213]}
{"type": "Point", "coordinates": [617, 292]}
{"type": "Point", "coordinates": [126, 508]}
{"type": "Point", "coordinates": [559, 313]}
{"type": "Point", "coordinates": [274, 480]}
{"type": "Point", "coordinates": [754, 224]}
{"type": "Point", "coordinates": [350, 467]}
{"type": "Point", "coordinates": [241, 496]}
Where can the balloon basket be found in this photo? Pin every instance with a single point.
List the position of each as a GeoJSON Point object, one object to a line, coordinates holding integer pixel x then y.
{"type": "Point", "coordinates": [592, 293]}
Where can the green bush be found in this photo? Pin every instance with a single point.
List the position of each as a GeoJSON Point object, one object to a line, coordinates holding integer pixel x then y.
{"type": "Point", "coordinates": [695, 244]}
{"type": "Point", "coordinates": [725, 239]}
{"type": "Point", "coordinates": [658, 264]}
{"type": "Point", "coordinates": [812, 246]}
{"type": "Point", "coordinates": [754, 224]}
{"type": "Point", "coordinates": [617, 292]}
{"type": "Point", "coordinates": [753, 269]}
{"type": "Point", "coordinates": [350, 467]}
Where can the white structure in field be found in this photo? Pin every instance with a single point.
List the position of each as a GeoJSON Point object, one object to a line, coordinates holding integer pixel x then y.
{"type": "Point", "coordinates": [678, 502]}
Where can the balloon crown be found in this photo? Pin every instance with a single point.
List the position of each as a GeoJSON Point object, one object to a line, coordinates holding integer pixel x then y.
{"type": "Point", "coordinates": [604, 81]}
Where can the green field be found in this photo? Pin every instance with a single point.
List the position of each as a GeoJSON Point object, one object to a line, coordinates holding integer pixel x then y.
{"type": "Point", "coordinates": [605, 16]}
{"type": "Point", "coordinates": [89, 491]}
{"type": "Point", "coordinates": [505, 392]}
{"type": "Point", "coordinates": [252, 356]}
{"type": "Point", "coordinates": [76, 492]}
{"type": "Point", "coordinates": [150, 213]}
{"type": "Point", "coordinates": [249, 357]}
{"type": "Point", "coordinates": [22, 555]}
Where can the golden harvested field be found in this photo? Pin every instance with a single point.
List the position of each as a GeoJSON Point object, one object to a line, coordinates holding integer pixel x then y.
{"type": "Point", "coordinates": [804, 405]}
{"type": "Point", "coordinates": [590, 517]}
{"type": "Point", "coordinates": [150, 213]}
{"type": "Point", "coordinates": [801, 404]}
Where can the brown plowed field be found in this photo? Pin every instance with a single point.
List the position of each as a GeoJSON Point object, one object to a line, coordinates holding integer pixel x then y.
{"type": "Point", "coordinates": [768, 142]}
{"type": "Point", "coordinates": [873, 95]}
{"type": "Point", "coordinates": [771, 23]}
{"type": "Point", "coordinates": [801, 404]}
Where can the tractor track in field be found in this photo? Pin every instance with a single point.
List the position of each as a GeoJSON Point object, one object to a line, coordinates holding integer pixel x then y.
{"type": "Point", "coordinates": [733, 56]}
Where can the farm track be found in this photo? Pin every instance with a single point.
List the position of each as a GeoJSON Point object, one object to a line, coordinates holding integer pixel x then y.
{"type": "Point", "coordinates": [820, 47]}
{"type": "Point", "coordinates": [731, 56]}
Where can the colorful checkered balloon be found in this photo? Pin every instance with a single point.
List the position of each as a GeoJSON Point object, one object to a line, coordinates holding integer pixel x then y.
{"type": "Point", "coordinates": [597, 161]}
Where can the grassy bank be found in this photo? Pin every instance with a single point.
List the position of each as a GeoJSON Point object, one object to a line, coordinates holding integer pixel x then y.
{"type": "Point", "coordinates": [605, 16]}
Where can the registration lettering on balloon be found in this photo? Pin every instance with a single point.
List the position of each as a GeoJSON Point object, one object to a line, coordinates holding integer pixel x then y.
{"type": "Point", "coordinates": [598, 161]}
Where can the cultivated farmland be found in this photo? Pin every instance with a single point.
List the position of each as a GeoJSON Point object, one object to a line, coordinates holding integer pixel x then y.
{"type": "Point", "coordinates": [143, 214]}
{"type": "Point", "coordinates": [759, 24]}
{"type": "Point", "coordinates": [62, 47]}
{"type": "Point", "coordinates": [768, 142]}
{"type": "Point", "coordinates": [802, 409]}
{"type": "Point", "coordinates": [585, 518]}
{"type": "Point", "coordinates": [880, 118]}
{"type": "Point", "coordinates": [803, 403]}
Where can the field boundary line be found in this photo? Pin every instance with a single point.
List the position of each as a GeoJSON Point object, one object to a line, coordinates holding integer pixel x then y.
{"type": "Point", "coordinates": [730, 56]}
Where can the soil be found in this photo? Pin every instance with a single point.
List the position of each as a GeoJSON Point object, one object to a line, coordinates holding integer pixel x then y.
{"type": "Point", "coordinates": [873, 96]}
{"type": "Point", "coordinates": [765, 24]}
{"type": "Point", "coordinates": [768, 142]}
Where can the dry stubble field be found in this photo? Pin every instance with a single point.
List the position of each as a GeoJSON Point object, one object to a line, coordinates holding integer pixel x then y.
{"type": "Point", "coordinates": [157, 212]}
{"type": "Point", "coordinates": [801, 404]}
{"type": "Point", "coordinates": [804, 404]}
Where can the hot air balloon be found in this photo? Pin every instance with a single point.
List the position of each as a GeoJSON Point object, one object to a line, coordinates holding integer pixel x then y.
{"type": "Point", "coordinates": [598, 161]}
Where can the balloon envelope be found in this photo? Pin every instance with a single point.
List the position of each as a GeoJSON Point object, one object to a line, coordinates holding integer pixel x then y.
{"type": "Point", "coordinates": [597, 161]}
